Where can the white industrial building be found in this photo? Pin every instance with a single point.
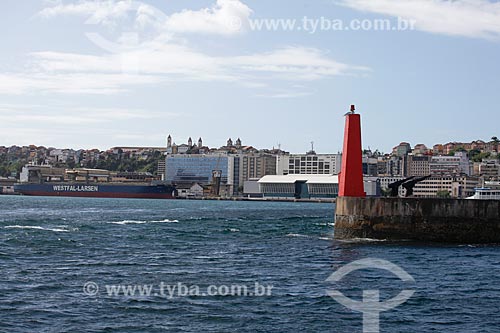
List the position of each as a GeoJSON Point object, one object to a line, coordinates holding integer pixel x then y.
{"type": "Point", "coordinates": [309, 186]}
{"type": "Point", "coordinates": [299, 186]}
{"type": "Point", "coordinates": [308, 164]}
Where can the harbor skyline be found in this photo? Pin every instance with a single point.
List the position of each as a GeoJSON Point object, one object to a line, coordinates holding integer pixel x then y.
{"type": "Point", "coordinates": [456, 168]}
{"type": "Point", "coordinates": [193, 71]}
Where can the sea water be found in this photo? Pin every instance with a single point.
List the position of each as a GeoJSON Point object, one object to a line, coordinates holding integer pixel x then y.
{"type": "Point", "coordinates": [121, 265]}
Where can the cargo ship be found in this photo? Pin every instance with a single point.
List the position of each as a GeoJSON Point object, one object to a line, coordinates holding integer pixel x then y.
{"type": "Point", "coordinates": [49, 181]}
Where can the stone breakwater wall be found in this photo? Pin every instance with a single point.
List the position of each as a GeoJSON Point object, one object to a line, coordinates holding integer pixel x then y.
{"type": "Point", "coordinates": [434, 220]}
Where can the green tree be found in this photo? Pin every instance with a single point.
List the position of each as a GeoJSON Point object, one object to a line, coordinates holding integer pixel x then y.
{"type": "Point", "coordinates": [456, 150]}
{"type": "Point", "coordinates": [3, 170]}
{"type": "Point", "coordinates": [480, 157]}
{"type": "Point", "coordinates": [443, 194]}
{"type": "Point", "coordinates": [473, 153]}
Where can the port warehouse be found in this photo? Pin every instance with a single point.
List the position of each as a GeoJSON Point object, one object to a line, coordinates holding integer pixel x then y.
{"type": "Point", "coordinates": [45, 173]}
{"type": "Point", "coordinates": [299, 186]}
{"type": "Point", "coordinates": [302, 187]}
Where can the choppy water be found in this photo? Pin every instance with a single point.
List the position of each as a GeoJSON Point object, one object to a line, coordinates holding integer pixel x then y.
{"type": "Point", "coordinates": [51, 247]}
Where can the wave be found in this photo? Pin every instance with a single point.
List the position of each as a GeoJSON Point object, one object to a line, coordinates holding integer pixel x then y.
{"type": "Point", "coordinates": [35, 227]}
{"type": "Point", "coordinates": [362, 240]}
{"type": "Point", "coordinates": [297, 235]}
{"type": "Point", "coordinates": [328, 224]}
{"type": "Point", "coordinates": [310, 236]}
{"type": "Point", "coordinates": [143, 222]}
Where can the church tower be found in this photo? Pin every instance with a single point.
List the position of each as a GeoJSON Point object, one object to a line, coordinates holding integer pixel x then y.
{"type": "Point", "coordinates": [190, 142]}
{"type": "Point", "coordinates": [169, 141]}
{"type": "Point", "coordinates": [229, 143]}
{"type": "Point", "coordinates": [200, 143]}
{"type": "Point", "coordinates": [238, 143]}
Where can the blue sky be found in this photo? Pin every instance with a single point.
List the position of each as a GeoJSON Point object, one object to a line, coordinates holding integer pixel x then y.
{"type": "Point", "coordinates": [97, 74]}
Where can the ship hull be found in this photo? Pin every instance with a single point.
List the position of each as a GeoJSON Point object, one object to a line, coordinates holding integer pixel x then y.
{"type": "Point", "coordinates": [97, 190]}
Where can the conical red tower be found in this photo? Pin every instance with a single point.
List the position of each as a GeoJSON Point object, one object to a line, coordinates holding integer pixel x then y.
{"type": "Point", "coordinates": [351, 176]}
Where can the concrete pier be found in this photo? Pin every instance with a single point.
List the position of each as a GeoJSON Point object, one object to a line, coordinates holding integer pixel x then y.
{"type": "Point", "coordinates": [433, 220]}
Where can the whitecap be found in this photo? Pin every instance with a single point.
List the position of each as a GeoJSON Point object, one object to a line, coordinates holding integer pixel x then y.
{"type": "Point", "coordinates": [128, 222]}
{"type": "Point", "coordinates": [143, 222]}
{"type": "Point", "coordinates": [35, 227]}
{"type": "Point", "coordinates": [166, 221]}
{"type": "Point", "coordinates": [363, 240]}
{"type": "Point", "coordinates": [296, 235]}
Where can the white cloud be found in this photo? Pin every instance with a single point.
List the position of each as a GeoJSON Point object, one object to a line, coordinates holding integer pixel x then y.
{"type": "Point", "coordinates": [167, 59]}
{"type": "Point", "coordinates": [56, 72]}
{"type": "Point", "coordinates": [64, 136]}
{"type": "Point", "coordinates": [57, 114]}
{"type": "Point", "coordinates": [226, 17]}
{"type": "Point", "coordinates": [295, 63]}
{"type": "Point", "coordinates": [469, 18]}
{"type": "Point", "coordinates": [171, 59]}
{"type": "Point", "coordinates": [70, 83]}
{"type": "Point", "coordinates": [103, 12]}
{"type": "Point", "coordinates": [149, 16]}
{"type": "Point", "coordinates": [284, 95]}
{"type": "Point", "coordinates": [55, 122]}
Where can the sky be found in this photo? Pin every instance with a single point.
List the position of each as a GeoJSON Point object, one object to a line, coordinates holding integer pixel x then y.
{"type": "Point", "coordinates": [99, 74]}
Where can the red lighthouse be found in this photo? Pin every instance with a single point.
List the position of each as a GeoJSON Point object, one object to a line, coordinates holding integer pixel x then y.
{"type": "Point", "coordinates": [351, 176]}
